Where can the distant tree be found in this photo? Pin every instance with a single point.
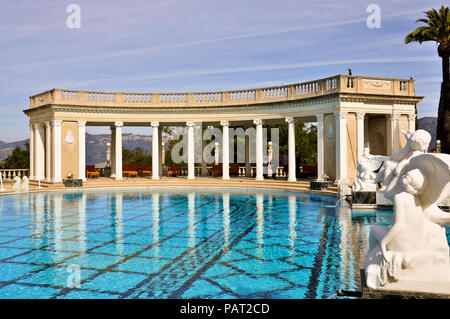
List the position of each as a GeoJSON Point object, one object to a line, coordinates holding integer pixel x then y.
{"type": "Point", "coordinates": [305, 142]}
{"type": "Point", "coordinates": [138, 156]}
{"type": "Point", "coordinates": [19, 158]}
{"type": "Point", "coordinates": [437, 29]}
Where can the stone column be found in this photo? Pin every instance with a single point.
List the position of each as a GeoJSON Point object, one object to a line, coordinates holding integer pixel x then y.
{"type": "Point", "coordinates": [118, 150]}
{"type": "Point", "coordinates": [31, 173]}
{"type": "Point", "coordinates": [155, 150]}
{"type": "Point", "coordinates": [113, 152]}
{"type": "Point", "coordinates": [39, 151]}
{"type": "Point", "coordinates": [216, 153]}
{"type": "Point", "coordinates": [259, 149]}
{"type": "Point", "coordinates": [82, 150]}
{"type": "Point", "coordinates": [392, 134]}
{"type": "Point", "coordinates": [204, 164]}
{"type": "Point", "coordinates": [412, 122]}
{"type": "Point", "coordinates": [56, 134]}
{"type": "Point", "coordinates": [47, 151]}
{"type": "Point", "coordinates": [225, 150]}
{"type": "Point", "coordinates": [248, 165]}
{"type": "Point", "coordinates": [160, 152]}
{"type": "Point", "coordinates": [320, 160]}
{"type": "Point", "coordinates": [291, 147]}
{"type": "Point", "coordinates": [341, 145]}
{"type": "Point", "coordinates": [163, 157]}
{"type": "Point", "coordinates": [360, 133]}
{"type": "Point", "coordinates": [191, 146]}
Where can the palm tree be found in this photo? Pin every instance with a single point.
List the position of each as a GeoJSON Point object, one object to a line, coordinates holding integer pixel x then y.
{"type": "Point", "coordinates": [437, 29]}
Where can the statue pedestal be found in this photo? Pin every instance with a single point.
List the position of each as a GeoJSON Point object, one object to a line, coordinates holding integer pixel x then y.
{"type": "Point", "coordinates": [364, 200]}
{"type": "Point", "coordinates": [319, 185]}
{"type": "Point", "coordinates": [406, 290]}
{"type": "Point", "coordinates": [383, 202]}
{"type": "Point", "coordinates": [73, 182]}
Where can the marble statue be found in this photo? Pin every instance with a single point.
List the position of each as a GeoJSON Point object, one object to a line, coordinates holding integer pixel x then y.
{"type": "Point", "coordinates": [413, 254]}
{"type": "Point", "coordinates": [16, 185]}
{"type": "Point", "coordinates": [416, 143]}
{"type": "Point", "coordinates": [24, 187]}
{"type": "Point", "coordinates": [365, 181]}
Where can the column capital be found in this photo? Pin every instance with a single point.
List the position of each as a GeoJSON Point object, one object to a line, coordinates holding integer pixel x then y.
{"type": "Point", "coordinates": [360, 115]}
{"type": "Point", "coordinates": [412, 117]}
{"type": "Point", "coordinates": [319, 117]}
{"type": "Point", "coordinates": [154, 124]}
{"type": "Point", "coordinates": [118, 124]}
{"type": "Point", "coordinates": [394, 117]}
{"type": "Point", "coordinates": [289, 120]}
{"type": "Point", "coordinates": [341, 115]}
{"type": "Point", "coordinates": [37, 125]}
{"type": "Point", "coordinates": [257, 122]}
{"type": "Point", "coordinates": [224, 123]}
{"type": "Point", "coordinates": [56, 123]}
{"type": "Point", "coordinates": [190, 123]}
{"type": "Point", "coordinates": [81, 123]}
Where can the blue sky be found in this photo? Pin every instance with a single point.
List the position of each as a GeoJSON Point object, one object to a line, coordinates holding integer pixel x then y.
{"type": "Point", "coordinates": [181, 45]}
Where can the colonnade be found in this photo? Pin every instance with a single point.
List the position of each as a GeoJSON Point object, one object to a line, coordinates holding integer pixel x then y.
{"type": "Point", "coordinates": [46, 147]}
{"type": "Point", "coordinates": [116, 150]}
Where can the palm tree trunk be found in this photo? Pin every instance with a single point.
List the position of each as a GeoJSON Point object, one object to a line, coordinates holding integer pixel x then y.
{"type": "Point", "coordinates": [443, 129]}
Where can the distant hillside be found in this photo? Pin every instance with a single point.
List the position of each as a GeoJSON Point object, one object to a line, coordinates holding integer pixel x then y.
{"type": "Point", "coordinates": [429, 124]}
{"type": "Point", "coordinates": [95, 145]}
{"type": "Point", "coordinates": [7, 148]}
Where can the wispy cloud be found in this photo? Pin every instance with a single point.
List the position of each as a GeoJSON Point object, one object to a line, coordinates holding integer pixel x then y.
{"type": "Point", "coordinates": [181, 45]}
{"type": "Point", "coordinates": [186, 74]}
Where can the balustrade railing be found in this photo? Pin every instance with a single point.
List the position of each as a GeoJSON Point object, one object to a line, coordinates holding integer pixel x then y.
{"type": "Point", "coordinates": [9, 174]}
{"type": "Point", "coordinates": [338, 83]}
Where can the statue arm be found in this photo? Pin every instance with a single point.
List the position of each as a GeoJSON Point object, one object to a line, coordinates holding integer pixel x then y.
{"type": "Point", "coordinates": [391, 234]}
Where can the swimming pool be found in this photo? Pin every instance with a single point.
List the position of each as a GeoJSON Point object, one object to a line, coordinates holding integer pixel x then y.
{"type": "Point", "coordinates": [180, 243]}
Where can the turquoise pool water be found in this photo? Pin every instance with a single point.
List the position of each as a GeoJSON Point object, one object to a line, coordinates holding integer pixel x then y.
{"type": "Point", "coordinates": [177, 243]}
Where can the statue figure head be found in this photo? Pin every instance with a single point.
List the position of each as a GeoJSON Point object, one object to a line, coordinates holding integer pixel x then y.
{"type": "Point", "coordinates": [420, 140]}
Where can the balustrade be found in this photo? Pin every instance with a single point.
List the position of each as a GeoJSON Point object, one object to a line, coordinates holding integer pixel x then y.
{"type": "Point", "coordinates": [9, 174]}
{"type": "Point", "coordinates": [339, 83]}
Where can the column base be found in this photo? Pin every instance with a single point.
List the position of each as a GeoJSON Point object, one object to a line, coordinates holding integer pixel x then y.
{"type": "Point", "coordinates": [292, 179]}
{"type": "Point", "coordinates": [191, 178]}
{"type": "Point", "coordinates": [118, 178]}
{"type": "Point", "coordinates": [259, 178]}
{"type": "Point", "coordinates": [57, 180]}
{"type": "Point", "coordinates": [225, 178]}
{"type": "Point", "coordinates": [155, 177]}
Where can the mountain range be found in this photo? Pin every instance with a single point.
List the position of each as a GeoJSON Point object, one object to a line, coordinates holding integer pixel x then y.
{"type": "Point", "coordinates": [96, 144]}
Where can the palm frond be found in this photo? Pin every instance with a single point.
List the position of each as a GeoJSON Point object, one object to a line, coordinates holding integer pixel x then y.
{"type": "Point", "coordinates": [437, 27]}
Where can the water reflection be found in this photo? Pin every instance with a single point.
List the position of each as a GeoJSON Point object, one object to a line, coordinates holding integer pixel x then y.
{"type": "Point", "coordinates": [82, 222]}
{"type": "Point", "coordinates": [155, 224]}
{"type": "Point", "coordinates": [118, 222]}
{"type": "Point", "coordinates": [292, 221]}
{"type": "Point", "coordinates": [58, 224]}
{"type": "Point", "coordinates": [260, 222]}
{"type": "Point", "coordinates": [226, 217]}
{"type": "Point", "coordinates": [191, 219]}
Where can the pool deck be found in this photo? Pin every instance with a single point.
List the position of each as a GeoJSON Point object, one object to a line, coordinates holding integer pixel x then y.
{"type": "Point", "coordinates": [238, 182]}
